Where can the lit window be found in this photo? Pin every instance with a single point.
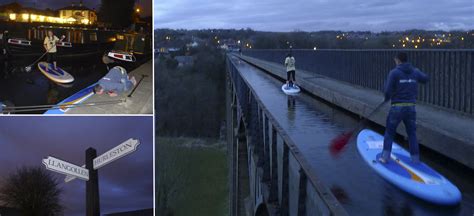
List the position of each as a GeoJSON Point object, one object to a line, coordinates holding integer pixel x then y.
{"type": "Point", "coordinates": [12, 16]}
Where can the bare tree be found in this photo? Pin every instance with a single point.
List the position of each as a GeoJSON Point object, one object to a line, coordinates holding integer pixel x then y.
{"type": "Point", "coordinates": [32, 190]}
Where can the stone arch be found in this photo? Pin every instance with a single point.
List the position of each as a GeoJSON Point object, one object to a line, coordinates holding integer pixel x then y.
{"type": "Point", "coordinates": [243, 181]}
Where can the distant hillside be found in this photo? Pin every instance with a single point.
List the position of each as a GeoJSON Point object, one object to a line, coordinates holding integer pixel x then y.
{"type": "Point", "coordinates": [248, 38]}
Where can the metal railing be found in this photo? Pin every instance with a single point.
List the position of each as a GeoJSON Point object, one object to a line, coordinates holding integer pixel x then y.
{"type": "Point", "coordinates": [451, 72]}
{"type": "Point", "coordinates": [293, 184]}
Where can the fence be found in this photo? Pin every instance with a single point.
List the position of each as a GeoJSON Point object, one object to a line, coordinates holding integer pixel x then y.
{"type": "Point", "coordinates": [451, 71]}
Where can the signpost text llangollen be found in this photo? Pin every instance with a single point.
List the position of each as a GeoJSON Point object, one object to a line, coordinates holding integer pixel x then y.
{"type": "Point", "coordinates": [66, 168]}
{"type": "Point", "coordinates": [70, 177]}
{"type": "Point", "coordinates": [117, 152]}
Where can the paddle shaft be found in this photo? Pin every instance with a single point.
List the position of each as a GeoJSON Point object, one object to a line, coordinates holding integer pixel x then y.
{"type": "Point", "coordinates": [364, 120]}
{"type": "Point", "coordinates": [58, 106]}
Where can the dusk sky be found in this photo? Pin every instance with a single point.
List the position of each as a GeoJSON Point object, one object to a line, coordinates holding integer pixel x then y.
{"type": "Point", "coordinates": [315, 15]}
{"type": "Point", "coordinates": [125, 184]}
{"type": "Point", "coordinates": [55, 4]}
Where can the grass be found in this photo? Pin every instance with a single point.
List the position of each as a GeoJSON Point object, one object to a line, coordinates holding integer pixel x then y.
{"type": "Point", "coordinates": [198, 171]}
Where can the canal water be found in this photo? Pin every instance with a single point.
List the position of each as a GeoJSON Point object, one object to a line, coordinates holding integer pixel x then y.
{"type": "Point", "coordinates": [312, 123]}
{"type": "Point", "coordinates": [21, 88]}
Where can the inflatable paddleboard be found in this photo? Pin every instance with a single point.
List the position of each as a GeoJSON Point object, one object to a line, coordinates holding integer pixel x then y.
{"type": "Point", "coordinates": [417, 179]}
{"type": "Point", "coordinates": [74, 99]}
{"type": "Point", "coordinates": [290, 90]}
{"type": "Point", "coordinates": [58, 75]}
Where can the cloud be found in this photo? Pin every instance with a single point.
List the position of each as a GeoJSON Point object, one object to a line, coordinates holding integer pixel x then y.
{"type": "Point", "coordinates": [311, 15]}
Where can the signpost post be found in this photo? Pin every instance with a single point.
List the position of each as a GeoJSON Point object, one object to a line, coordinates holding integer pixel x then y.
{"type": "Point", "coordinates": [89, 171]}
{"type": "Point", "coordinates": [92, 186]}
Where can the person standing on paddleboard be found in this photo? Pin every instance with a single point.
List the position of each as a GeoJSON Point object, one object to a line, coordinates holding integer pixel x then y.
{"type": "Point", "coordinates": [116, 81]}
{"type": "Point", "coordinates": [402, 88]}
{"type": "Point", "coordinates": [290, 70]}
{"type": "Point", "coordinates": [50, 46]}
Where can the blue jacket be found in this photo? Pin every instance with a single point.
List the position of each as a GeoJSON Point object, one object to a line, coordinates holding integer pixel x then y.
{"type": "Point", "coordinates": [116, 81]}
{"type": "Point", "coordinates": [402, 83]}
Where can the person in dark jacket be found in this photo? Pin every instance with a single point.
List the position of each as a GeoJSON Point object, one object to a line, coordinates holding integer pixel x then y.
{"type": "Point", "coordinates": [402, 89]}
{"type": "Point", "coordinates": [116, 81]}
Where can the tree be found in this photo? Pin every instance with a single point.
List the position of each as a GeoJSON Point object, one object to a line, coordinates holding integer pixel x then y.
{"type": "Point", "coordinates": [118, 13]}
{"type": "Point", "coordinates": [32, 190]}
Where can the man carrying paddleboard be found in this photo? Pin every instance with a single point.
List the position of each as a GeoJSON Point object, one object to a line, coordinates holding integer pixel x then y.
{"type": "Point", "coordinates": [290, 70]}
{"type": "Point", "coordinates": [116, 81]}
{"type": "Point", "coordinates": [402, 88]}
{"type": "Point", "coordinates": [50, 46]}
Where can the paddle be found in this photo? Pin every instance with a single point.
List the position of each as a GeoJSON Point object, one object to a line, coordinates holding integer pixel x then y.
{"type": "Point", "coordinates": [19, 109]}
{"type": "Point", "coordinates": [338, 143]}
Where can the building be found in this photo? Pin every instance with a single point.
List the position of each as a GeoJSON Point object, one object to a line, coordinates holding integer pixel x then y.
{"type": "Point", "coordinates": [75, 15]}
{"type": "Point", "coordinates": [78, 14]}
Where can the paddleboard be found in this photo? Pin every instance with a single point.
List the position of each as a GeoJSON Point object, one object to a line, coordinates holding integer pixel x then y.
{"type": "Point", "coordinates": [58, 75]}
{"type": "Point", "coordinates": [290, 90]}
{"type": "Point", "coordinates": [417, 179]}
{"type": "Point", "coordinates": [74, 99]}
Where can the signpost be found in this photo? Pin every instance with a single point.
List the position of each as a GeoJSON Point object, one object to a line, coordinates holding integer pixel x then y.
{"type": "Point", "coordinates": [66, 168]}
{"type": "Point", "coordinates": [113, 154]}
{"type": "Point", "coordinates": [93, 163]}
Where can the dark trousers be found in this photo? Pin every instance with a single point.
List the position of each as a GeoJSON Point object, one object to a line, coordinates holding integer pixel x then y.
{"type": "Point", "coordinates": [290, 76]}
{"type": "Point", "coordinates": [51, 57]}
{"type": "Point", "coordinates": [407, 114]}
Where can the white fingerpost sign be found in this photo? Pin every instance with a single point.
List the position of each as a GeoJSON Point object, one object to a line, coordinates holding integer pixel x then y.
{"type": "Point", "coordinates": [70, 177]}
{"type": "Point", "coordinates": [117, 152]}
{"type": "Point", "coordinates": [66, 168]}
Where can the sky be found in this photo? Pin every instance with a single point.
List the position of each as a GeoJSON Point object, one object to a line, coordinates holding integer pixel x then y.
{"type": "Point", "coordinates": [315, 15]}
{"type": "Point", "coordinates": [93, 4]}
{"type": "Point", "coordinates": [125, 184]}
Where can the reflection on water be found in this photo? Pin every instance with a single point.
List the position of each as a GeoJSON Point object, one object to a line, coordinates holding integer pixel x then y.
{"type": "Point", "coordinates": [23, 88]}
{"type": "Point", "coordinates": [312, 124]}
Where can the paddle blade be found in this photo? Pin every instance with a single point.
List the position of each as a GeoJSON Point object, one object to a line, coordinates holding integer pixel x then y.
{"type": "Point", "coordinates": [338, 143]}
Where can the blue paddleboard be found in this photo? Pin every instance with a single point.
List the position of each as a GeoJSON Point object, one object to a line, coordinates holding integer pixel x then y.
{"type": "Point", "coordinates": [417, 179]}
{"type": "Point", "coordinates": [74, 99]}
{"type": "Point", "coordinates": [57, 75]}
